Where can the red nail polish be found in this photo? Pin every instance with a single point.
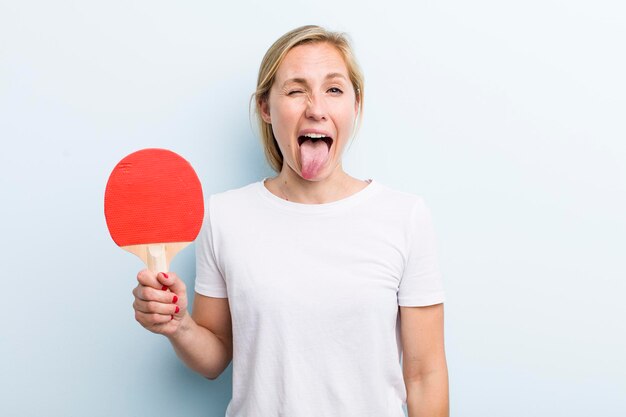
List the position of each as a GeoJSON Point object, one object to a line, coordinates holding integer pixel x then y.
{"type": "Point", "coordinates": [165, 275]}
{"type": "Point", "coordinates": [177, 310]}
{"type": "Point", "coordinates": [164, 288]}
{"type": "Point", "coordinates": [174, 299]}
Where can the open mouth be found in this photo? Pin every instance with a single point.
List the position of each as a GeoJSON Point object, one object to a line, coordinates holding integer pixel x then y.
{"type": "Point", "coordinates": [328, 140]}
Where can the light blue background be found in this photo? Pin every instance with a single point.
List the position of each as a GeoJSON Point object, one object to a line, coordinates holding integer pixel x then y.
{"type": "Point", "coordinates": [508, 117]}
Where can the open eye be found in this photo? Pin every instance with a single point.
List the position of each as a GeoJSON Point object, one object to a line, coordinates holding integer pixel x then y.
{"type": "Point", "coordinates": [335, 90]}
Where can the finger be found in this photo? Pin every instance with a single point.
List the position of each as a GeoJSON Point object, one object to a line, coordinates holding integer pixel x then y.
{"type": "Point", "coordinates": [151, 319]}
{"type": "Point", "coordinates": [167, 328]}
{"type": "Point", "coordinates": [178, 287]}
{"type": "Point", "coordinates": [173, 282]}
{"type": "Point", "coordinates": [144, 293]}
{"type": "Point", "coordinates": [148, 278]}
{"type": "Point", "coordinates": [153, 307]}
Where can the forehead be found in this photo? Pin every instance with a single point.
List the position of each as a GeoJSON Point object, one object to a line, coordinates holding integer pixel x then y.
{"type": "Point", "coordinates": [311, 61]}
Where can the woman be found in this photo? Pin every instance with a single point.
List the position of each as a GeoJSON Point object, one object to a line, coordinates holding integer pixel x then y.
{"type": "Point", "coordinates": [313, 282]}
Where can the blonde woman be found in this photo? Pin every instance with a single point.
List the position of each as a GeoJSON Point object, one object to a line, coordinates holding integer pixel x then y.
{"type": "Point", "coordinates": [315, 283]}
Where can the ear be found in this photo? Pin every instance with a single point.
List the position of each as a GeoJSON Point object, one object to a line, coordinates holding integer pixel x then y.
{"type": "Point", "coordinates": [265, 111]}
{"type": "Point", "coordinates": [357, 101]}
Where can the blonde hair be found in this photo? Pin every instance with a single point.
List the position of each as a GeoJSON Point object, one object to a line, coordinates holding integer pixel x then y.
{"type": "Point", "coordinates": [269, 66]}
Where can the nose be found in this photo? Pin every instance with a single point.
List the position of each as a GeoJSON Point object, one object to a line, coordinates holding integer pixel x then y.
{"type": "Point", "coordinates": [315, 108]}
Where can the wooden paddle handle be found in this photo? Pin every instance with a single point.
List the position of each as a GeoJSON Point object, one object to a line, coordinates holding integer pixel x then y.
{"type": "Point", "coordinates": [156, 257]}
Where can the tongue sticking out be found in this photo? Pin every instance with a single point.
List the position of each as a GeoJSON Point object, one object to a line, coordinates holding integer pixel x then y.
{"type": "Point", "coordinates": [313, 156]}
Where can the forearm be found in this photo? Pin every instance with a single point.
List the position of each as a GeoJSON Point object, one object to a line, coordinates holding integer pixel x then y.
{"type": "Point", "coordinates": [428, 396]}
{"type": "Point", "coordinates": [200, 349]}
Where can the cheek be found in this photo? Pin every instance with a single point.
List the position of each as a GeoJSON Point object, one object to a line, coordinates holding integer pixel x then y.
{"type": "Point", "coordinates": [284, 116]}
{"type": "Point", "coordinates": [345, 122]}
{"type": "Point", "coordinates": [285, 122]}
{"type": "Point", "coordinates": [282, 127]}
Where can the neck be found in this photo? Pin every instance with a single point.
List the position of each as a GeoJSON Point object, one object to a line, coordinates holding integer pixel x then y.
{"type": "Point", "coordinates": [290, 186]}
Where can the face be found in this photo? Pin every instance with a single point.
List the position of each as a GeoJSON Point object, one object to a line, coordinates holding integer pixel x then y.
{"type": "Point", "coordinates": [312, 95]}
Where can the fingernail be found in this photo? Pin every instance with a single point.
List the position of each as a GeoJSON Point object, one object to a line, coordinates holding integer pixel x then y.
{"type": "Point", "coordinates": [165, 275]}
{"type": "Point", "coordinates": [175, 299]}
{"type": "Point", "coordinates": [164, 288]}
{"type": "Point", "coordinates": [177, 310]}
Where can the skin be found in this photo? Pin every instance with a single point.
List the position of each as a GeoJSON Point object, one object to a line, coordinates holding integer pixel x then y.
{"type": "Point", "coordinates": [203, 340]}
{"type": "Point", "coordinates": [312, 90]}
{"type": "Point", "coordinates": [424, 365]}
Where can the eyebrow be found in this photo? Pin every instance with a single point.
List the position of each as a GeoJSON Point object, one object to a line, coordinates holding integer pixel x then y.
{"type": "Point", "coordinates": [303, 81]}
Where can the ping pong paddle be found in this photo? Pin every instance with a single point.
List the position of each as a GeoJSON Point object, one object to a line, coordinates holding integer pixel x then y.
{"type": "Point", "coordinates": [153, 206]}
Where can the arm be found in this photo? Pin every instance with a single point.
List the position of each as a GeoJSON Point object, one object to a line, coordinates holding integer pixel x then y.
{"type": "Point", "coordinates": [424, 361]}
{"type": "Point", "coordinates": [203, 340]}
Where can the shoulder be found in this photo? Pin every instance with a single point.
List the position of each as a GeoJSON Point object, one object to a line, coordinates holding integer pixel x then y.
{"type": "Point", "coordinates": [235, 196]}
{"type": "Point", "coordinates": [400, 200]}
{"type": "Point", "coordinates": [228, 208]}
{"type": "Point", "coordinates": [230, 203]}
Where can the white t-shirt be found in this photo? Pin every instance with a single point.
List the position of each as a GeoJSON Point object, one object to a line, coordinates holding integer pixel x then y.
{"type": "Point", "coordinates": [314, 291]}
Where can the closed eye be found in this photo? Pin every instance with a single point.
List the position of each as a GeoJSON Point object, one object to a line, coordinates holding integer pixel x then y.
{"type": "Point", "coordinates": [292, 92]}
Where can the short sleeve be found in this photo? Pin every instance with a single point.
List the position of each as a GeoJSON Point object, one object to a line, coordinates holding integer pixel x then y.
{"type": "Point", "coordinates": [209, 278]}
{"type": "Point", "coordinates": [421, 283]}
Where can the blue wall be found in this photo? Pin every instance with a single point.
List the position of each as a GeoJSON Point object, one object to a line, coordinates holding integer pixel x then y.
{"type": "Point", "coordinates": [507, 118]}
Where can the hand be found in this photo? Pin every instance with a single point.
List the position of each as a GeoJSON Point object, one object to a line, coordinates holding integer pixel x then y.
{"type": "Point", "coordinates": [157, 309]}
